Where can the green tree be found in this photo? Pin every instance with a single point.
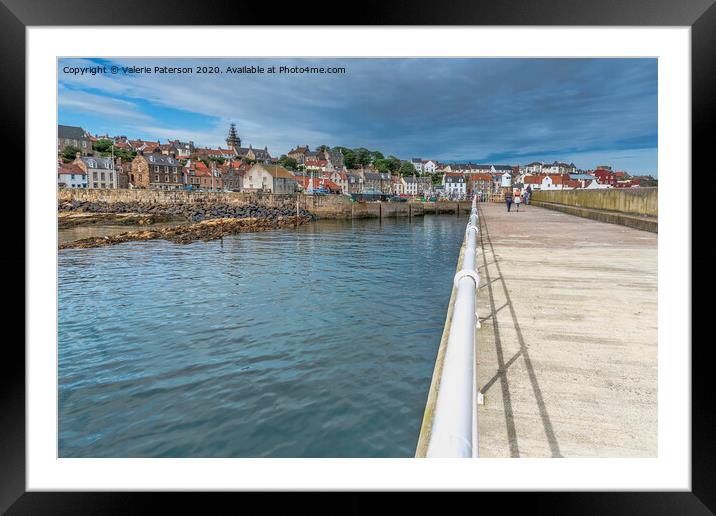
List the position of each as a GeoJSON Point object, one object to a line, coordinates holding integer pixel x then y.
{"type": "Point", "coordinates": [69, 153]}
{"type": "Point", "coordinates": [376, 156]}
{"type": "Point", "coordinates": [102, 146]}
{"type": "Point", "coordinates": [323, 148]}
{"type": "Point", "coordinates": [349, 158]}
{"type": "Point", "coordinates": [407, 169]}
{"type": "Point", "coordinates": [363, 156]}
{"type": "Point", "coordinates": [288, 163]}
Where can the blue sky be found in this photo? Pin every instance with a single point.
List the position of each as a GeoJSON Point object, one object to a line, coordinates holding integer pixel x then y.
{"type": "Point", "coordinates": [507, 111]}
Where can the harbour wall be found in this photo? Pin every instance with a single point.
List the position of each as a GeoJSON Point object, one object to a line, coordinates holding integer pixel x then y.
{"type": "Point", "coordinates": [325, 206]}
{"type": "Point", "coordinates": [633, 207]}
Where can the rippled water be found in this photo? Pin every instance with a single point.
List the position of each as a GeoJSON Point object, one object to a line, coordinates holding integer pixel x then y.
{"type": "Point", "coordinates": [313, 342]}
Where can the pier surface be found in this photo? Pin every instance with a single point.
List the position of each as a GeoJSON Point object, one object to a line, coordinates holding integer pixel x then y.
{"type": "Point", "coordinates": [567, 351]}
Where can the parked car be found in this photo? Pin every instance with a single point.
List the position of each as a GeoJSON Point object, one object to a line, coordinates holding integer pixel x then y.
{"type": "Point", "coordinates": [397, 198]}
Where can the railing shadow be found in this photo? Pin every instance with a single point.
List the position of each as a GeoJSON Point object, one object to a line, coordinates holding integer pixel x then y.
{"type": "Point", "coordinates": [503, 366]}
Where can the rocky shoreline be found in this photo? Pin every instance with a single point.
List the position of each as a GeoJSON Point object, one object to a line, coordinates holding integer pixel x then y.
{"type": "Point", "coordinates": [195, 212]}
{"type": "Point", "coordinates": [207, 221]}
{"type": "Point", "coordinates": [183, 234]}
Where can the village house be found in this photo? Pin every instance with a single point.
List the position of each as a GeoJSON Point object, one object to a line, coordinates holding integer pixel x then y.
{"type": "Point", "coordinates": [534, 182]}
{"type": "Point", "coordinates": [582, 179]}
{"type": "Point", "coordinates": [269, 178]}
{"type": "Point", "coordinates": [299, 154]}
{"type": "Point", "coordinates": [335, 157]}
{"type": "Point", "coordinates": [454, 184]}
{"type": "Point", "coordinates": [417, 164]}
{"type": "Point", "coordinates": [183, 149]}
{"type": "Point", "coordinates": [156, 171]}
{"type": "Point", "coordinates": [425, 185]}
{"type": "Point", "coordinates": [371, 182]}
{"type": "Point", "coordinates": [558, 182]}
{"type": "Point", "coordinates": [319, 183]}
{"type": "Point", "coordinates": [100, 171]}
{"type": "Point", "coordinates": [355, 182]}
{"type": "Point", "coordinates": [430, 166]}
{"type": "Point", "coordinates": [397, 186]}
{"type": "Point", "coordinates": [479, 184]}
{"type": "Point", "coordinates": [506, 179]}
{"type": "Point", "coordinates": [258, 155]}
{"type": "Point", "coordinates": [386, 183]}
{"type": "Point", "coordinates": [233, 176]}
{"type": "Point", "coordinates": [605, 176]}
{"type": "Point", "coordinates": [340, 178]}
{"type": "Point", "coordinates": [72, 136]}
{"type": "Point", "coordinates": [70, 175]}
{"type": "Point", "coordinates": [534, 168]}
{"type": "Point", "coordinates": [144, 145]}
{"type": "Point", "coordinates": [410, 185]}
{"type": "Point", "coordinates": [320, 165]}
{"type": "Point", "coordinates": [122, 170]}
{"type": "Point", "coordinates": [200, 176]}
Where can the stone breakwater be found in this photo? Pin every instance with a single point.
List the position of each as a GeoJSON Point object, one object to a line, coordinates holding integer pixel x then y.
{"type": "Point", "coordinates": [206, 230]}
{"type": "Point", "coordinates": [194, 212]}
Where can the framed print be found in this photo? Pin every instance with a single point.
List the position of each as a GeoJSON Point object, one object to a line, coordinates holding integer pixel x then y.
{"type": "Point", "coordinates": [417, 253]}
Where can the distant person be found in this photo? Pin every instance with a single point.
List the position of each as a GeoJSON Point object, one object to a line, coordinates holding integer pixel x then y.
{"type": "Point", "coordinates": [508, 200]}
{"type": "Point", "coordinates": [518, 200]}
{"type": "Point", "coordinates": [527, 197]}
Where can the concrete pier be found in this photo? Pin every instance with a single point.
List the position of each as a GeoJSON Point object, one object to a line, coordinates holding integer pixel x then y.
{"type": "Point", "coordinates": [567, 352]}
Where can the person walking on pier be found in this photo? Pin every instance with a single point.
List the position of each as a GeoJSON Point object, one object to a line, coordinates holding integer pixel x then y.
{"type": "Point", "coordinates": [518, 200]}
{"type": "Point", "coordinates": [508, 200]}
{"type": "Point", "coordinates": [528, 193]}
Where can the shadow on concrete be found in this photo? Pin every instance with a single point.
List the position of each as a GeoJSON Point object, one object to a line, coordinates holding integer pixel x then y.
{"type": "Point", "coordinates": [503, 366]}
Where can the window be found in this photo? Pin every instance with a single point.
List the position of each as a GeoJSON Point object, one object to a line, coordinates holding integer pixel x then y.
{"type": "Point", "coordinates": [102, 176]}
{"type": "Point", "coordinates": [94, 185]}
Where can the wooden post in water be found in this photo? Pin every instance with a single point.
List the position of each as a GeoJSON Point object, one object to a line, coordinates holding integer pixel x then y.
{"type": "Point", "coordinates": [297, 210]}
{"type": "Point", "coordinates": [457, 210]}
{"type": "Point", "coordinates": [380, 210]}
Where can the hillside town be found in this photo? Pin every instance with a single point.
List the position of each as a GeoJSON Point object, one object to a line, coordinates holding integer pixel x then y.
{"type": "Point", "coordinates": [109, 162]}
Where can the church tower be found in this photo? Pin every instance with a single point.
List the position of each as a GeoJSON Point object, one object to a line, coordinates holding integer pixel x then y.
{"type": "Point", "coordinates": [233, 140]}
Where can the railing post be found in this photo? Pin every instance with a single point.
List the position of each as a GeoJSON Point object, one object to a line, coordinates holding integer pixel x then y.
{"type": "Point", "coordinates": [454, 427]}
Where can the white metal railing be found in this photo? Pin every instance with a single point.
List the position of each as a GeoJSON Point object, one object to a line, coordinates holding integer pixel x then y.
{"type": "Point", "coordinates": [454, 428]}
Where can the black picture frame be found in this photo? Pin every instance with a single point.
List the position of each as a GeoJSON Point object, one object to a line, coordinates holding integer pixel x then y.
{"type": "Point", "coordinates": [700, 15]}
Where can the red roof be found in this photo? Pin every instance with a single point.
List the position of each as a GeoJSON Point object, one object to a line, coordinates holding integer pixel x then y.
{"type": "Point", "coordinates": [316, 162]}
{"type": "Point", "coordinates": [70, 168]}
{"type": "Point", "coordinates": [317, 182]}
{"type": "Point", "coordinates": [533, 180]}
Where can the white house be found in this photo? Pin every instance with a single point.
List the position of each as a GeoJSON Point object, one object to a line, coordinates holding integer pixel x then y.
{"type": "Point", "coordinates": [430, 166]}
{"type": "Point", "coordinates": [71, 176]}
{"type": "Point", "coordinates": [269, 178]}
{"type": "Point", "coordinates": [455, 185]}
{"type": "Point", "coordinates": [506, 180]}
{"type": "Point", "coordinates": [534, 168]}
{"type": "Point", "coordinates": [418, 164]}
{"type": "Point", "coordinates": [409, 185]}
